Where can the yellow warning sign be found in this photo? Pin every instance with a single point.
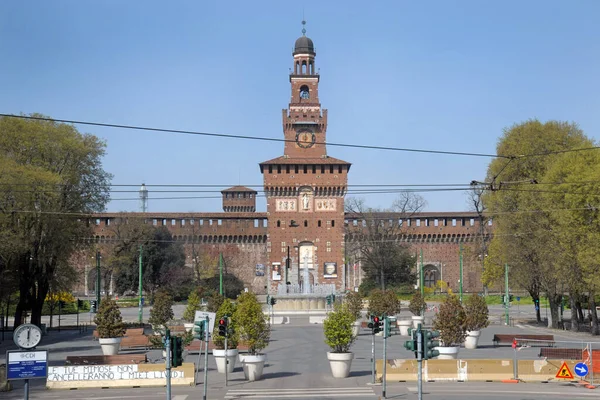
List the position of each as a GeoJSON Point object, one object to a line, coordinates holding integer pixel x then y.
{"type": "Point", "coordinates": [564, 372]}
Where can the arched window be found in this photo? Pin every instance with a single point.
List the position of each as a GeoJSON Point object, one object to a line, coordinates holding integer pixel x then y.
{"type": "Point", "coordinates": [303, 67]}
{"type": "Point", "coordinates": [279, 224]}
{"type": "Point", "coordinates": [304, 92]}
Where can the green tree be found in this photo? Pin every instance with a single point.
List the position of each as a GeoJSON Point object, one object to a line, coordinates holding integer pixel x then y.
{"type": "Point", "coordinates": [193, 304]}
{"type": "Point", "coordinates": [525, 225]}
{"type": "Point", "coordinates": [162, 310]}
{"type": "Point", "coordinates": [51, 178]}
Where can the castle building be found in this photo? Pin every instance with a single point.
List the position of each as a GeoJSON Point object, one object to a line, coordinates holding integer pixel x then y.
{"type": "Point", "coordinates": [301, 242]}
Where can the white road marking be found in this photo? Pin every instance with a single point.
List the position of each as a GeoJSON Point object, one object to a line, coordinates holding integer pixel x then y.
{"type": "Point", "coordinates": [306, 393]}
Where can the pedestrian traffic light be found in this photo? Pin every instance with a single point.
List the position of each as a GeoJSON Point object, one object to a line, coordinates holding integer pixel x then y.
{"type": "Point", "coordinates": [375, 324]}
{"type": "Point", "coordinates": [93, 306]}
{"type": "Point", "coordinates": [176, 351]}
{"type": "Point", "coordinates": [223, 327]}
{"type": "Point", "coordinates": [330, 298]}
{"type": "Point", "coordinates": [429, 344]}
{"type": "Point", "coordinates": [199, 329]}
{"type": "Point", "coordinates": [272, 301]}
{"type": "Point", "coordinates": [388, 326]}
{"type": "Point", "coordinates": [411, 344]}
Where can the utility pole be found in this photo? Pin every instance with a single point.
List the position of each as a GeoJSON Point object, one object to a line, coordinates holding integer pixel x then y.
{"type": "Point", "coordinates": [141, 301]}
{"type": "Point", "coordinates": [97, 279]}
{"type": "Point", "coordinates": [287, 267]}
{"type": "Point", "coordinates": [420, 363]}
{"type": "Point", "coordinates": [221, 274]}
{"type": "Point", "coordinates": [461, 272]}
{"type": "Point", "coordinates": [421, 276]}
{"type": "Point", "coordinates": [168, 361]}
{"type": "Point", "coordinates": [507, 297]}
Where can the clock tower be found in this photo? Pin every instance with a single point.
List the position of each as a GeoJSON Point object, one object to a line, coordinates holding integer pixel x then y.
{"type": "Point", "coordinates": [305, 191]}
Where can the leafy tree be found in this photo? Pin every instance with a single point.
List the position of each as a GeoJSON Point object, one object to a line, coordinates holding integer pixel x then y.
{"type": "Point", "coordinates": [254, 328]}
{"type": "Point", "coordinates": [337, 328]}
{"type": "Point", "coordinates": [51, 173]}
{"type": "Point", "coordinates": [162, 310]}
{"type": "Point", "coordinates": [376, 239]}
{"type": "Point", "coordinates": [383, 302]}
{"type": "Point", "coordinates": [450, 321]}
{"type": "Point", "coordinates": [227, 308]}
{"type": "Point", "coordinates": [525, 224]}
{"type": "Point", "coordinates": [232, 285]}
{"type": "Point", "coordinates": [193, 304]}
{"type": "Point", "coordinates": [108, 320]}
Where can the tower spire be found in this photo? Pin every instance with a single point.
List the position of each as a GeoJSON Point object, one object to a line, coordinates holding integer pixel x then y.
{"type": "Point", "coordinates": [303, 25]}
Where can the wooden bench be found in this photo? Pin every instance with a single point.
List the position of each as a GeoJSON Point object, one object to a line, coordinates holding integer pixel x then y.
{"type": "Point", "coordinates": [195, 346]}
{"type": "Point", "coordinates": [104, 360]}
{"type": "Point", "coordinates": [128, 332]}
{"type": "Point", "coordinates": [554, 353]}
{"type": "Point", "coordinates": [177, 329]}
{"type": "Point", "coordinates": [135, 342]}
{"type": "Point", "coordinates": [531, 340]}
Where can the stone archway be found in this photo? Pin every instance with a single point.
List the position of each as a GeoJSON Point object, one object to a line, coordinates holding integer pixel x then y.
{"type": "Point", "coordinates": [431, 275]}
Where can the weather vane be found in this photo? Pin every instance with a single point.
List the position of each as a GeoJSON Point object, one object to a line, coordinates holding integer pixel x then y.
{"type": "Point", "coordinates": [303, 24]}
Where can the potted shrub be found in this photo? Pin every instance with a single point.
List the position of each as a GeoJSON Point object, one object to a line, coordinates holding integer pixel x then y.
{"type": "Point", "coordinates": [476, 318]}
{"type": "Point", "coordinates": [161, 312]}
{"type": "Point", "coordinates": [223, 358]}
{"type": "Point", "coordinates": [193, 304]}
{"type": "Point", "coordinates": [417, 307]}
{"type": "Point", "coordinates": [355, 305]}
{"type": "Point", "coordinates": [383, 303]}
{"type": "Point", "coordinates": [337, 328]}
{"type": "Point", "coordinates": [110, 327]}
{"type": "Point", "coordinates": [450, 321]}
{"type": "Point", "coordinates": [254, 331]}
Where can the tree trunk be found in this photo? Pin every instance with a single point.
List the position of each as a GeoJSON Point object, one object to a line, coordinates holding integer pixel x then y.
{"type": "Point", "coordinates": [553, 301]}
{"type": "Point", "coordinates": [574, 316]}
{"type": "Point", "coordinates": [536, 297]}
{"type": "Point", "coordinates": [52, 304]}
{"type": "Point", "coordinates": [579, 312]}
{"type": "Point", "coordinates": [382, 279]}
{"type": "Point", "coordinates": [594, 314]}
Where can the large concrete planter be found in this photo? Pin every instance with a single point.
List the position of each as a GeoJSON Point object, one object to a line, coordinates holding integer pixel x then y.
{"type": "Point", "coordinates": [403, 325]}
{"type": "Point", "coordinates": [448, 353]}
{"type": "Point", "coordinates": [220, 359]}
{"type": "Point", "coordinates": [417, 319]}
{"type": "Point", "coordinates": [110, 346]}
{"type": "Point", "coordinates": [472, 339]}
{"type": "Point", "coordinates": [253, 365]}
{"type": "Point", "coordinates": [356, 327]}
{"type": "Point", "coordinates": [340, 364]}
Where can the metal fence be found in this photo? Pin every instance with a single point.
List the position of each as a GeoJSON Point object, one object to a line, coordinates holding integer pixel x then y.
{"type": "Point", "coordinates": [584, 352]}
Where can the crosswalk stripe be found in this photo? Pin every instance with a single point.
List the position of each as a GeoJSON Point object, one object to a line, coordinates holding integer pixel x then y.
{"type": "Point", "coordinates": [299, 393]}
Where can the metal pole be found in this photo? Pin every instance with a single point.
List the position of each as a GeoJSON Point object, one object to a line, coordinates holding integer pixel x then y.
{"type": "Point", "coordinates": [420, 363]}
{"type": "Point", "coordinates": [168, 361]}
{"type": "Point", "coordinates": [287, 267]}
{"type": "Point", "coordinates": [78, 315]}
{"type": "Point", "coordinates": [97, 280]}
{"type": "Point", "coordinates": [461, 274]}
{"type": "Point", "coordinates": [59, 313]}
{"type": "Point", "coordinates": [591, 368]}
{"type": "Point", "coordinates": [373, 359]}
{"type": "Point", "coordinates": [26, 389]}
{"type": "Point", "coordinates": [506, 291]}
{"type": "Point", "coordinates": [206, 325]}
{"type": "Point", "coordinates": [385, 335]}
{"type": "Point", "coordinates": [226, 359]}
{"type": "Point", "coordinates": [515, 366]}
{"type": "Point", "coordinates": [141, 305]}
{"type": "Point", "coordinates": [221, 274]}
{"type": "Point", "coordinates": [421, 276]}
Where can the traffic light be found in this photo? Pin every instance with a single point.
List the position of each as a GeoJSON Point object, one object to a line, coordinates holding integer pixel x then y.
{"type": "Point", "coordinates": [272, 301]}
{"type": "Point", "coordinates": [388, 326]}
{"type": "Point", "coordinates": [223, 327]}
{"type": "Point", "coordinates": [375, 324]}
{"type": "Point", "coordinates": [429, 344]}
{"type": "Point", "coordinates": [176, 351]}
{"type": "Point", "coordinates": [199, 329]}
{"type": "Point", "coordinates": [330, 299]}
{"type": "Point", "coordinates": [411, 344]}
{"type": "Point", "coordinates": [93, 306]}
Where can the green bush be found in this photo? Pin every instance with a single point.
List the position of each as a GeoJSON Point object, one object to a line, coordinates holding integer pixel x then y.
{"type": "Point", "coordinates": [162, 310]}
{"type": "Point", "coordinates": [383, 302]}
{"type": "Point", "coordinates": [193, 304]}
{"type": "Point", "coordinates": [337, 328]}
{"type": "Point", "coordinates": [108, 320]}
{"type": "Point", "coordinates": [254, 330]}
{"type": "Point", "coordinates": [355, 303]}
{"type": "Point", "coordinates": [417, 304]}
{"type": "Point", "coordinates": [227, 308]}
{"type": "Point", "coordinates": [450, 321]}
{"type": "Point", "coordinates": [214, 302]}
{"type": "Point", "coordinates": [366, 287]}
{"type": "Point", "coordinates": [477, 313]}
{"type": "Point", "coordinates": [232, 285]}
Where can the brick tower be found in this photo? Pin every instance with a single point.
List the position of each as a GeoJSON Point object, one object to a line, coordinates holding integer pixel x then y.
{"type": "Point", "coordinates": [305, 189]}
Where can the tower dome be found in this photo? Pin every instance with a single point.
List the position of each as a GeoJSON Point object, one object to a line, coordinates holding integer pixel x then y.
{"type": "Point", "coordinates": [304, 45]}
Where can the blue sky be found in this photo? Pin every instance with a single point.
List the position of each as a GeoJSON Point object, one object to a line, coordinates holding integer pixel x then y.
{"type": "Point", "coordinates": [442, 75]}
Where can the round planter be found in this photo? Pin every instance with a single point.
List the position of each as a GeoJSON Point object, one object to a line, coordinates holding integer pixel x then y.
{"type": "Point", "coordinates": [253, 365]}
{"type": "Point", "coordinates": [356, 327]}
{"type": "Point", "coordinates": [110, 346]}
{"type": "Point", "coordinates": [220, 359]}
{"type": "Point", "coordinates": [448, 353]}
{"type": "Point", "coordinates": [472, 339]}
{"type": "Point", "coordinates": [404, 324]}
{"type": "Point", "coordinates": [188, 326]}
{"type": "Point", "coordinates": [340, 364]}
{"type": "Point", "coordinates": [416, 320]}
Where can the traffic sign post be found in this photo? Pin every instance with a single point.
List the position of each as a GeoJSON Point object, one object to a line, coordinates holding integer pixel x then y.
{"type": "Point", "coordinates": [26, 365]}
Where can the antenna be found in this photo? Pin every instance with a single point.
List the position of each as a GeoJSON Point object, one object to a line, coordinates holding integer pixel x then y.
{"type": "Point", "coordinates": [144, 197]}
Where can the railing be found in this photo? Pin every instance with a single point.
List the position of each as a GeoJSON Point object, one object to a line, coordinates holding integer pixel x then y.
{"type": "Point", "coordinates": [311, 290]}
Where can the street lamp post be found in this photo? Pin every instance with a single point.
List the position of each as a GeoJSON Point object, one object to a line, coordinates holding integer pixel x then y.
{"type": "Point", "coordinates": [98, 279]}
{"type": "Point", "coordinates": [287, 267]}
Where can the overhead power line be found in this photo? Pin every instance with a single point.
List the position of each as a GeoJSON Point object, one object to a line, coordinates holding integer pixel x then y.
{"type": "Point", "coordinates": [246, 137]}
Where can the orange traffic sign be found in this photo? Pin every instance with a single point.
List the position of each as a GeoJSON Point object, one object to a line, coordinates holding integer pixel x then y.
{"type": "Point", "coordinates": [564, 372]}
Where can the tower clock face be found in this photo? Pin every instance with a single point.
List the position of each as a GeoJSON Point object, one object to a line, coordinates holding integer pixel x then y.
{"type": "Point", "coordinates": [305, 139]}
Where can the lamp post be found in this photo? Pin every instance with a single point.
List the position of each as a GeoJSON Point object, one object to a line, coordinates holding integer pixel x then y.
{"type": "Point", "coordinates": [287, 267]}
{"type": "Point", "coordinates": [141, 303]}
{"type": "Point", "coordinates": [98, 279]}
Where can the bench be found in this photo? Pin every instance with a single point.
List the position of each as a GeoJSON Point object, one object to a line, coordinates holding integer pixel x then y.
{"type": "Point", "coordinates": [107, 360]}
{"type": "Point", "coordinates": [554, 353]}
{"type": "Point", "coordinates": [195, 346]}
{"type": "Point", "coordinates": [128, 332]}
{"type": "Point", "coordinates": [530, 340]}
{"type": "Point", "coordinates": [135, 342]}
{"type": "Point", "coordinates": [177, 329]}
